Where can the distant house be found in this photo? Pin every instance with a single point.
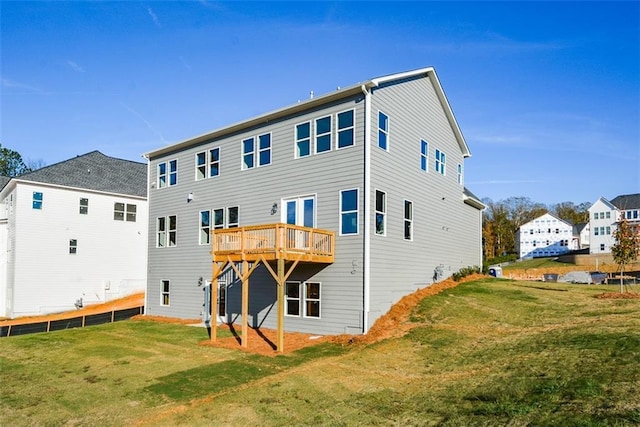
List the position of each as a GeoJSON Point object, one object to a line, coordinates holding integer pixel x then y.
{"type": "Point", "coordinates": [605, 214]}
{"type": "Point", "coordinates": [358, 193]}
{"type": "Point", "coordinates": [547, 235]}
{"type": "Point", "coordinates": [72, 233]}
{"type": "Point", "coordinates": [581, 236]}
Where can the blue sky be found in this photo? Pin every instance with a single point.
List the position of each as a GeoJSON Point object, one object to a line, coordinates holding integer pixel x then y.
{"type": "Point", "coordinates": [547, 94]}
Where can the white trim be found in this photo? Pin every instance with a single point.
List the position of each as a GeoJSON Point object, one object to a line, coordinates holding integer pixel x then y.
{"type": "Point", "coordinates": [66, 187]}
{"type": "Point", "coordinates": [383, 212]}
{"type": "Point", "coordinates": [366, 291]}
{"type": "Point", "coordinates": [286, 299]}
{"type": "Point", "coordinates": [404, 218]}
{"type": "Point", "coordinates": [387, 132]}
{"type": "Point", "coordinates": [352, 127]}
{"type": "Point", "coordinates": [315, 134]}
{"type": "Point", "coordinates": [304, 300]}
{"type": "Point", "coordinates": [341, 212]}
{"type": "Point", "coordinates": [295, 139]}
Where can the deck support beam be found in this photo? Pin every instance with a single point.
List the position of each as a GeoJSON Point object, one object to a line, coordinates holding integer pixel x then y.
{"type": "Point", "coordinates": [213, 293]}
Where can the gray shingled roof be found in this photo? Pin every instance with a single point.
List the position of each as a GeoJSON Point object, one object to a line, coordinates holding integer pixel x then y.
{"type": "Point", "coordinates": [628, 201]}
{"type": "Point", "coordinates": [95, 171]}
{"type": "Point", "coordinates": [3, 181]}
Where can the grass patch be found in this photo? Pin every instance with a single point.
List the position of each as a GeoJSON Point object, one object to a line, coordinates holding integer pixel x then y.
{"type": "Point", "coordinates": [488, 352]}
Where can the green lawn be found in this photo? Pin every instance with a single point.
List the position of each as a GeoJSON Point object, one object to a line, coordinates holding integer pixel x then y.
{"type": "Point", "coordinates": [489, 352]}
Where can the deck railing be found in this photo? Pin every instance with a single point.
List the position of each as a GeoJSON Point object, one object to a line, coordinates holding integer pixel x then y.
{"type": "Point", "coordinates": [274, 241]}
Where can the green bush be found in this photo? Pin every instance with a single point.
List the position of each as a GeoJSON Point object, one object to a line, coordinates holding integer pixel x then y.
{"type": "Point", "coordinates": [466, 271]}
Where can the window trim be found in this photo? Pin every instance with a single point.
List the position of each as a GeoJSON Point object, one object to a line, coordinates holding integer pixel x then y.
{"type": "Point", "coordinates": [203, 170]}
{"type": "Point", "coordinates": [84, 205]}
{"type": "Point", "coordinates": [351, 128]}
{"type": "Point", "coordinates": [73, 246]}
{"type": "Point", "coordinates": [287, 298]}
{"type": "Point", "coordinates": [319, 135]}
{"type": "Point", "coordinates": [245, 153]}
{"type": "Point", "coordinates": [201, 229]}
{"type": "Point", "coordinates": [377, 212]}
{"type": "Point", "coordinates": [165, 293]}
{"type": "Point", "coordinates": [460, 174]}
{"type": "Point", "coordinates": [406, 220]}
{"type": "Point", "coordinates": [441, 162]}
{"type": "Point", "coordinates": [306, 300]}
{"type": "Point", "coordinates": [344, 212]}
{"type": "Point", "coordinates": [384, 131]}
{"type": "Point", "coordinates": [424, 156]}
{"type": "Point", "coordinates": [119, 214]}
{"type": "Point", "coordinates": [299, 140]}
{"type": "Point", "coordinates": [167, 175]}
{"type": "Point", "coordinates": [167, 232]}
{"type": "Point", "coordinates": [260, 150]}
{"type": "Point", "coordinates": [37, 200]}
{"type": "Point", "coordinates": [256, 151]}
{"type": "Point", "coordinates": [302, 299]}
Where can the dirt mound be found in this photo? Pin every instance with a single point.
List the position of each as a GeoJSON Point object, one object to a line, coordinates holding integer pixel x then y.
{"type": "Point", "coordinates": [617, 295]}
{"type": "Point", "coordinates": [131, 301]}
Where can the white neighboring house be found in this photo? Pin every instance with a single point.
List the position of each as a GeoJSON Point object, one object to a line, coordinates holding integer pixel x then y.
{"type": "Point", "coordinates": [547, 235]}
{"type": "Point", "coordinates": [70, 232]}
{"type": "Point", "coordinates": [603, 216]}
{"type": "Point", "coordinates": [581, 236]}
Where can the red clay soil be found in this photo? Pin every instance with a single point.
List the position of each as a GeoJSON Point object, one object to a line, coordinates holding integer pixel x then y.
{"type": "Point", "coordinates": [263, 341]}
{"type": "Point", "coordinates": [131, 301]}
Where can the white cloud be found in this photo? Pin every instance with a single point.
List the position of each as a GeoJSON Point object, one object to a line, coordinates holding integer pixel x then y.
{"type": "Point", "coordinates": [154, 17]}
{"type": "Point", "coordinates": [8, 83]}
{"type": "Point", "coordinates": [135, 113]}
{"type": "Point", "coordinates": [75, 67]}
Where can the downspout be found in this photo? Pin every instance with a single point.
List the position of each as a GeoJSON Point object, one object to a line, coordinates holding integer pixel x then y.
{"type": "Point", "coordinates": [367, 210]}
{"type": "Point", "coordinates": [149, 235]}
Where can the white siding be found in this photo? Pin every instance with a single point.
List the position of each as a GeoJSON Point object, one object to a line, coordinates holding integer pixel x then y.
{"type": "Point", "coordinates": [111, 255]}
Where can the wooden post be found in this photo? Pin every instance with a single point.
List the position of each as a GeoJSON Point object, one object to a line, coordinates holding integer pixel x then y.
{"type": "Point", "coordinates": [245, 303]}
{"type": "Point", "coordinates": [280, 305]}
{"type": "Point", "coordinates": [213, 304]}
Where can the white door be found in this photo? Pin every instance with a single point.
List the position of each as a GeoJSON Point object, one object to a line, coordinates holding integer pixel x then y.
{"type": "Point", "coordinates": [300, 211]}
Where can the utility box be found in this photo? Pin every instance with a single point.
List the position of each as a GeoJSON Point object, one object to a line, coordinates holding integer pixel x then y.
{"type": "Point", "coordinates": [495, 271]}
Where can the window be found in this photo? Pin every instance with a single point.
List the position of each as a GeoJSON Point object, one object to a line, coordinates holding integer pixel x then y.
{"type": "Point", "coordinates": [37, 200]}
{"type": "Point", "coordinates": [212, 159]}
{"type": "Point", "coordinates": [311, 299]}
{"type": "Point", "coordinates": [205, 227]}
{"type": "Point", "coordinates": [131, 212]}
{"type": "Point", "coordinates": [346, 136]}
{"type": "Point", "coordinates": [608, 215]}
{"type": "Point", "coordinates": [256, 156]}
{"type": "Point", "coordinates": [349, 212]}
{"type": "Point", "coordinates": [608, 229]}
{"type": "Point", "coordinates": [164, 293]}
{"type": "Point", "coordinates": [173, 172]}
{"type": "Point", "coordinates": [248, 150]}
{"type": "Point", "coordinates": [218, 218]}
{"type": "Point", "coordinates": [73, 246]}
{"type": "Point", "coordinates": [383, 131]}
{"type": "Point", "coordinates": [302, 295]}
{"type": "Point", "coordinates": [408, 220]}
{"type": "Point", "coordinates": [292, 297]}
{"type": "Point", "coordinates": [602, 246]}
{"type": "Point", "coordinates": [602, 231]}
{"type": "Point", "coordinates": [303, 139]}
{"type": "Point", "coordinates": [166, 231]}
{"type": "Point", "coordinates": [84, 206]}
{"type": "Point", "coordinates": [118, 211]}
{"type": "Point", "coordinates": [424, 155]}
{"type": "Point", "coordinates": [323, 134]}
{"type": "Point", "coordinates": [381, 208]}
{"type": "Point", "coordinates": [232, 217]}
{"type": "Point", "coordinates": [460, 176]}
{"type": "Point", "coordinates": [226, 217]}
{"type": "Point", "coordinates": [595, 215]}
{"type": "Point", "coordinates": [441, 162]}
{"type": "Point", "coordinates": [595, 231]}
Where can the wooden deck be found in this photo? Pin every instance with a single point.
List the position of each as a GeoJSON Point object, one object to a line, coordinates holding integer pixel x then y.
{"type": "Point", "coordinates": [272, 242]}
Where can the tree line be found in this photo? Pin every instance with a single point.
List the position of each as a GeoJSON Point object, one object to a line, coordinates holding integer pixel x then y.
{"type": "Point", "coordinates": [501, 220]}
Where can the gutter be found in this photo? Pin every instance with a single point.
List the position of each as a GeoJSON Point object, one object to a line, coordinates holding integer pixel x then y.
{"type": "Point", "coordinates": [366, 306]}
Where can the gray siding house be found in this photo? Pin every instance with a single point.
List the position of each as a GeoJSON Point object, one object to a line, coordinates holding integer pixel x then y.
{"type": "Point", "coordinates": [376, 168]}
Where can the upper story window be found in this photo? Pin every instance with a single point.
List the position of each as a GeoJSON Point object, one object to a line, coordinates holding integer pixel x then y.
{"type": "Point", "coordinates": [167, 173]}
{"type": "Point", "coordinates": [608, 214]}
{"type": "Point", "coordinates": [441, 162]}
{"type": "Point", "coordinates": [166, 231]}
{"type": "Point", "coordinates": [383, 131]}
{"type": "Point", "coordinates": [323, 134]}
{"type": "Point", "coordinates": [205, 227]}
{"type": "Point", "coordinates": [226, 217]}
{"type": "Point", "coordinates": [460, 175]}
{"type": "Point", "coordinates": [424, 155]}
{"type": "Point", "coordinates": [408, 220]}
{"type": "Point", "coordinates": [208, 163]}
{"type": "Point", "coordinates": [349, 212]}
{"type": "Point", "coordinates": [346, 129]}
{"type": "Point", "coordinates": [37, 200]}
{"type": "Point", "coordinates": [84, 206]}
{"type": "Point", "coordinates": [381, 213]}
{"type": "Point", "coordinates": [303, 139]}
{"type": "Point", "coordinates": [122, 211]}
{"type": "Point", "coordinates": [253, 156]}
